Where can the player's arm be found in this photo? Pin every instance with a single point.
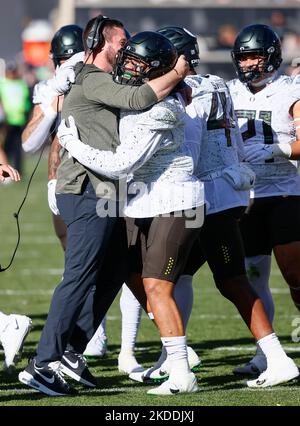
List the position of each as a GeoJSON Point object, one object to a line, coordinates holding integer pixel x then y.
{"type": "Point", "coordinates": [37, 129]}
{"type": "Point", "coordinates": [131, 154]}
{"type": "Point", "coordinates": [53, 163]}
{"type": "Point", "coordinates": [53, 159]}
{"type": "Point", "coordinates": [260, 152]}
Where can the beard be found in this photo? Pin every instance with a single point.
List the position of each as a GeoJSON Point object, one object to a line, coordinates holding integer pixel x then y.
{"type": "Point", "coordinates": [111, 56]}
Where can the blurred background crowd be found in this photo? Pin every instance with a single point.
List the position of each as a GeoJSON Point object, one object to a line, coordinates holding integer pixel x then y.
{"type": "Point", "coordinates": [27, 26]}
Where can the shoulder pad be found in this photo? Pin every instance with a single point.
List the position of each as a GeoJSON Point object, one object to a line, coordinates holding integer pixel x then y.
{"type": "Point", "coordinates": [164, 115]}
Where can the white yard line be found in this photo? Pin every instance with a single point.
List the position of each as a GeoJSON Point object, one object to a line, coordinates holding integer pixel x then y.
{"type": "Point", "coordinates": [31, 239]}
{"type": "Point", "coordinates": [295, 348]}
{"type": "Point", "coordinates": [99, 390]}
{"type": "Point", "coordinates": [7, 292]}
{"type": "Point", "coordinates": [46, 271]}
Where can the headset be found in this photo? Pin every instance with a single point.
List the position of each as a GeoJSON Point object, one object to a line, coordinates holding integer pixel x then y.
{"type": "Point", "coordinates": [95, 37]}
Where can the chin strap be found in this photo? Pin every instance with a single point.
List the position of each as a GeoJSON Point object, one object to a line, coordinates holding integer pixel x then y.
{"type": "Point", "coordinates": [265, 81]}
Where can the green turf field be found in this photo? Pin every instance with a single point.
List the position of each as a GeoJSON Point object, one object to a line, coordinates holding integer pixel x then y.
{"type": "Point", "coordinates": [215, 330]}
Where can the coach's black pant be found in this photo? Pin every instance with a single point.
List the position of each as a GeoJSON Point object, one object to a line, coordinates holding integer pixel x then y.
{"type": "Point", "coordinates": [87, 241]}
{"type": "Point", "coordinates": [112, 275]}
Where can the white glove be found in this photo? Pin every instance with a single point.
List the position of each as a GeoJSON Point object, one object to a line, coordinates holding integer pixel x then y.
{"type": "Point", "coordinates": [43, 94]}
{"type": "Point", "coordinates": [65, 75]}
{"type": "Point", "coordinates": [260, 152]}
{"type": "Point", "coordinates": [52, 196]}
{"type": "Point", "coordinates": [66, 133]}
{"type": "Point", "coordinates": [240, 176]}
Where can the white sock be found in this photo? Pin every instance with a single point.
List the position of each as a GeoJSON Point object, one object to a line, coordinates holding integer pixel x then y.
{"type": "Point", "coordinates": [100, 333]}
{"type": "Point", "coordinates": [258, 272]}
{"type": "Point", "coordinates": [271, 347]}
{"type": "Point", "coordinates": [131, 315]}
{"type": "Point", "coordinates": [177, 354]}
{"type": "Point", "coordinates": [102, 329]}
{"type": "Point", "coordinates": [184, 296]}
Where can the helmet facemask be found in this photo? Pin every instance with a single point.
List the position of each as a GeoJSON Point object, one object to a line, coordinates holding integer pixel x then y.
{"type": "Point", "coordinates": [145, 56]}
{"type": "Point", "coordinates": [261, 69]}
{"type": "Point", "coordinates": [132, 70]}
{"type": "Point", "coordinates": [257, 40]}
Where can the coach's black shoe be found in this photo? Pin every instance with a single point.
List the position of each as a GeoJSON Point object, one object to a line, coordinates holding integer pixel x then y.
{"type": "Point", "coordinates": [47, 379]}
{"type": "Point", "coordinates": [75, 366]}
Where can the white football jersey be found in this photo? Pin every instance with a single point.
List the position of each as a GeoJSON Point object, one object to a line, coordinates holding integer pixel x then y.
{"type": "Point", "coordinates": [264, 117]}
{"type": "Point", "coordinates": [153, 153]}
{"type": "Point", "coordinates": [164, 182]}
{"type": "Point", "coordinates": [221, 143]}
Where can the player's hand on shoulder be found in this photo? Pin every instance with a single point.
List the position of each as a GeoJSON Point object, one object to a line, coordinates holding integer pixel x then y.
{"type": "Point", "coordinates": [65, 75]}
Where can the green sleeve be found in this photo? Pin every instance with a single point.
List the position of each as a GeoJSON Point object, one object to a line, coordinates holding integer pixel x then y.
{"type": "Point", "coordinates": [100, 88]}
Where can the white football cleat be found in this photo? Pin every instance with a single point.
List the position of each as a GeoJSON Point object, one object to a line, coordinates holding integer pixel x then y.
{"type": "Point", "coordinates": [277, 372]}
{"type": "Point", "coordinates": [254, 367]}
{"type": "Point", "coordinates": [12, 338]}
{"type": "Point", "coordinates": [159, 373]}
{"type": "Point", "coordinates": [193, 360]}
{"type": "Point", "coordinates": [150, 376]}
{"type": "Point", "coordinates": [96, 348]}
{"type": "Point", "coordinates": [128, 364]}
{"type": "Point", "coordinates": [178, 383]}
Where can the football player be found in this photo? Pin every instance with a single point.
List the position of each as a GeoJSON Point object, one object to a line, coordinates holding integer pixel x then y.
{"type": "Point", "coordinates": [226, 182]}
{"type": "Point", "coordinates": [268, 111]}
{"type": "Point", "coordinates": [152, 151]}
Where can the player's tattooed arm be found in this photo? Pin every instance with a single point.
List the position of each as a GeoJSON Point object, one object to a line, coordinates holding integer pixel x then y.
{"type": "Point", "coordinates": [53, 159]}
{"type": "Point", "coordinates": [36, 118]}
{"type": "Point", "coordinates": [37, 130]}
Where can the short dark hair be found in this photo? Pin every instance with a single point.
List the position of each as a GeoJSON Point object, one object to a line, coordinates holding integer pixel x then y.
{"type": "Point", "coordinates": [106, 29]}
